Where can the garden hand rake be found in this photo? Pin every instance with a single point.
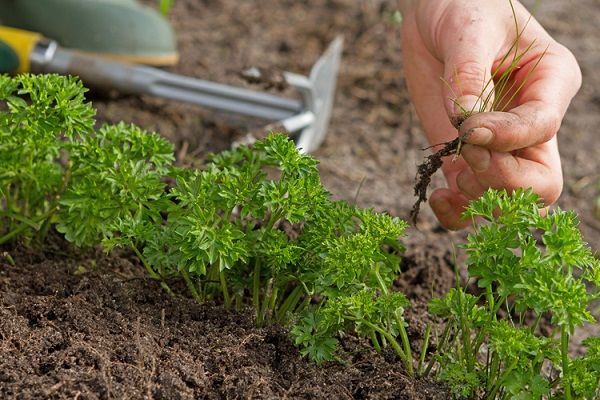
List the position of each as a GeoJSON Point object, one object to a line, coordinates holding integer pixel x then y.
{"type": "Point", "coordinates": [306, 118]}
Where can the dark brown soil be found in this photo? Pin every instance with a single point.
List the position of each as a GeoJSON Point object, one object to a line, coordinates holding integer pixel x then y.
{"type": "Point", "coordinates": [87, 325]}
{"type": "Point", "coordinates": [425, 171]}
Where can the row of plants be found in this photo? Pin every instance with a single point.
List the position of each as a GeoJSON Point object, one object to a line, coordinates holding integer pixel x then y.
{"type": "Point", "coordinates": [255, 225]}
{"type": "Point", "coordinates": [531, 266]}
{"type": "Point", "coordinates": [256, 228]}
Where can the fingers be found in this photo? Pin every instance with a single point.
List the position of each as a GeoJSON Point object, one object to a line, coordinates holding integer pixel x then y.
{"type": "Point", "coordinates": [468, 184]}
{"type": "Point", "coordinates": [536, 168]}
{"type": "Point", "coordinates": [528, 125]}
{"type": "Point", "coordinates": [479, 168]}
{"type": "Point", "coordinates": [466, 74]}
{"type": "Point", "coordinates": [468, 45]}
{"type": "Point", "coordinates": [548, 87]}
{"type": "Point", "coordinates": [448, 206]}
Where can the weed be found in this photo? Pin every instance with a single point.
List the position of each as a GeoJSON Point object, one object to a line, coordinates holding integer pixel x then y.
{"type": "Point", "coordinates": [497, 94]}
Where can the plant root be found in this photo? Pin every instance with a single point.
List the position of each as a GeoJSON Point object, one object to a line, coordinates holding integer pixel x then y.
{"type": "Point", "coordinates": [426, 170]}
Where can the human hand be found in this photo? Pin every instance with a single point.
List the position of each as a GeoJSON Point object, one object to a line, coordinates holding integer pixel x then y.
{"type": "Point", "coordinates": [450, 48]}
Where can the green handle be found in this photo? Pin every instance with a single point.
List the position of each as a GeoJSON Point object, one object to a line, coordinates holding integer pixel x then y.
{"type": "Point", "coordinates": [9, 59]}
{"type": "Point", "coordinates": [18, 45]}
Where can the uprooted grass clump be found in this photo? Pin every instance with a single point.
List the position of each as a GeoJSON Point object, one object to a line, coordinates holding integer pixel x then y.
{"type": "Point", "coordinates": [497, 94]}
{"type": "Point", "coordinates": [426, 170]}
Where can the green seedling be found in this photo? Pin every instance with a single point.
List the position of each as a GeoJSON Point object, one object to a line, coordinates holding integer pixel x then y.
{"type": "Point", "coordinates": [41, 114]}
{"type": "Point", "coordinates": [530, 266]}
{"type": "Point", "coordinates": [255, 227]}
{"type": "Point", "coordinates": [116, 176]}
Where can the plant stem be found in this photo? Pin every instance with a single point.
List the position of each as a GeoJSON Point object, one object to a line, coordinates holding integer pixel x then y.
{"type": "Point", "coordinates": [390, 338]}
{"type": "Point", "coordinates": [466, 342]}
{"type": "Point", "coordinates": [500, 381]}
{"type": "Point", "coordinates": [272, 301]}
{"type": "Point", "coordinates": [382, 285]}
{"type": "Point", "coordinates": [424, 350]}
{"type": "Point", "coordinates": [265, 303]}
{"type": "Point", "coordinates": [237, 300]}
{"type": "Point", "coordinates": [537, 323]}
{"type": "Point", "coordinates": [27, 223]}
{"type": "Point", "coordinates": [212, 280]}
{"type": "Point", "coordinates": [151, 272]}
{"type": "Point", "coordinates": [478, 341]}
{"type": "Point", "coordinates": [256, 289]}
{"type": "Point", "coordinates": [190, 285]}
{"type": "Point", "coordinates": [6, 255]}
{"type": "Point", "coordinates": [275, 216]}
{"type": "Point", "coordinates": [225, 290]}
{"type": "Point", "coordinates": [13, 233]}
{"type": "Point", "coordinates": [290, 302]}
{"type": "Point", "coordinates": [492, 371]}
{"type": "Point", "coordinates": [302, 305]}
{"type": "Point", "coordinates": [403, 335]}
{"type": "Point", "coordinates": [440, 346]}
{"type": "Point", "coordinates": [375, 342]}
{"type": "Point", "coordinates": [7, 203]}
{"type": "Point", "coordinates": [500, 301]}
{"type": "Point", "coordinates": [564, 348]}
{"type": "Point", "coordinates": [406, 345]}
{"type": "Point", "coordinates": [403, 356]}
{"type": "Point", "coordinates": [490, 299]}
{"type": "Point", "coordinates": [44, 229]}
{"type": "Point", "coordinates": [165, 6]}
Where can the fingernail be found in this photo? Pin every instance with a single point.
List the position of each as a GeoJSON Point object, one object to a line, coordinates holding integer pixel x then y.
{"type": "Point", "coordinates": [477, 157]}
{"type": "Point", "coordinates": [440, 206]}
{"type": "Point", "coordinates": [478, 136]}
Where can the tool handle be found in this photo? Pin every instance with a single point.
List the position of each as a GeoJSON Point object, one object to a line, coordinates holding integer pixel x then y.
{"type": "Point", "coordinates": [21, 43]}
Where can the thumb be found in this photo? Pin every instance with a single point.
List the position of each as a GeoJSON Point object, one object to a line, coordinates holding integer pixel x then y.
{"type": "Point", "coordinates": [467, 86]}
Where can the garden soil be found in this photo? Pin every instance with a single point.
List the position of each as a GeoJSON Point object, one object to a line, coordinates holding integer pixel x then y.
{"type": "Point", "coordinates": [86, 325]}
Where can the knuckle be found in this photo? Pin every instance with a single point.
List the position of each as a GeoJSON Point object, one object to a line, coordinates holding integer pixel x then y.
{"type": "Point", "coordinates": [510, 131]}
{"type": "Point", "coordinates": [462, 182]}
{"type": "Point", "coordinates": [548, 124]}
{"type": "Point", "coordinates": [573, 70]}
{"type": "Point", "coordinates": [552, 192]}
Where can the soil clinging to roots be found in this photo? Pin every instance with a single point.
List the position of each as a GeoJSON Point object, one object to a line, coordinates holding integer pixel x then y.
{"type": "Point", "coordinates": [426, 170]}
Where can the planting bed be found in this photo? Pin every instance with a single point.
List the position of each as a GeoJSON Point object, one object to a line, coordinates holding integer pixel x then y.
{"type": "Point", "coordinates": [82, 324]}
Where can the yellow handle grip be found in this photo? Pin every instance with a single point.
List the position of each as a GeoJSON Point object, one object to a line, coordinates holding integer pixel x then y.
{"type": "Point", "coordinates": [22, 43]}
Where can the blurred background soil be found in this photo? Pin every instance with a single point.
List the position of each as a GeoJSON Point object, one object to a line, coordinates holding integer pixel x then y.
{"type": "Point", "coordinates": [106, 333]}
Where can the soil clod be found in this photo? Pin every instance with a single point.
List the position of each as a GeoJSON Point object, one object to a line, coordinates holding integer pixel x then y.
{"type": "Point", "coordinates": [426, 170]}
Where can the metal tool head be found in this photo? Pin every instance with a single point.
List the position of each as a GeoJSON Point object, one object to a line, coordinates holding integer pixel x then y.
{"type": "Point", "coordinates": [318, 91]}
{"type": "Point", "coordinates": [305, 119]}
